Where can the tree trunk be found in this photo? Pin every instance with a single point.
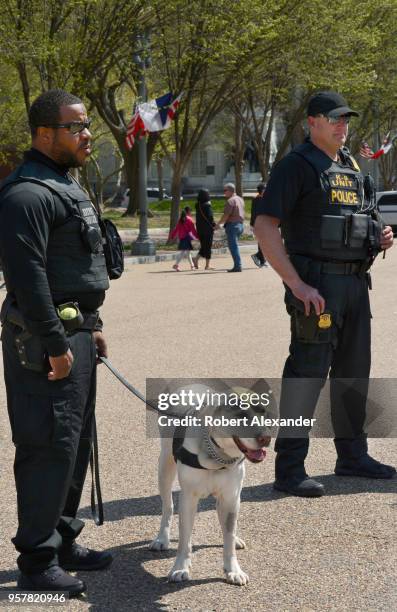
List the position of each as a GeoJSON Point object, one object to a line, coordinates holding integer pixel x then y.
{"type": "Point", "coordinates": [294, 120]}
{"type": "Point", "coordinates": [131, 171]}
{"type": "Point", "coordinates": [176, 195]}
{"type": "Point", "coordinates": [238, 154]}
{"type": "Point", "coordinates": [160, 175]}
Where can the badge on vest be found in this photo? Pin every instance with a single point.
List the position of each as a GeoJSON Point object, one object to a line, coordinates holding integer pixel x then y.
{"type": "Point", "coordinates": [324, 321]}
{"type": "Point", "coordinates": [344, 189]}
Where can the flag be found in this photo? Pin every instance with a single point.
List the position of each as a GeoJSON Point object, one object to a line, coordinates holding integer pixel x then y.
{"type": "Point", "coordinates": [135, 127]}
{"type": "Point", "coordinates": [153, 116]}
{"type": "Point", "coordinates": [385, 148]}
{"type": "Point", "coordinates": [366, 151]}
{"type": "Point", "coordinates": [173, 107]}
{"type": "Point", "coordinates": [157, 114]}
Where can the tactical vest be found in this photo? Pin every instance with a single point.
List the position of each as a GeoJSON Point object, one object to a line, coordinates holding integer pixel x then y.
{"type": "Point", "coordinates": [71, 267]}
{"type": "Point", "coordinates": [332, 222]}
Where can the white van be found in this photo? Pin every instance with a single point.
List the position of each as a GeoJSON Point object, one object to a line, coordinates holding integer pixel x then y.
{"type": "Point", "coordinates": [387, 204]}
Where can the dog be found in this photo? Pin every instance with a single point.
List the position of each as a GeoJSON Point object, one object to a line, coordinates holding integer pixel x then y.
{"type": "Point", "coordinates": [209, 461]}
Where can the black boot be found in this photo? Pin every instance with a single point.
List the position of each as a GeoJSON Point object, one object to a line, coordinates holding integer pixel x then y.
{"type": "Point", "coordinates": [52, 579]}
{"type": "Point", "coordinates": [291, 475]}
{"type": "Point", "coordinates": [305, 487]}
{"type": "Point", "coordinates": [353, 460]}
{"type": "Point", "coordinates": [74, 557]}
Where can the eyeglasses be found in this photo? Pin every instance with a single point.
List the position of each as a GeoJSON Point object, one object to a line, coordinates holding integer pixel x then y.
{"type": "Point", "coordinates": [345, 119]}
{"type": "Point", "coordinates": [74, 127]}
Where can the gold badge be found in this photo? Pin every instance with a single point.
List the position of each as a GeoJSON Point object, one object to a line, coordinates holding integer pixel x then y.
{"type": "Point", "coordinates": [325, 321]}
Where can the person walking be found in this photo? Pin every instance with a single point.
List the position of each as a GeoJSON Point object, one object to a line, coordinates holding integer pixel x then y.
{"type": "Point", "coordinates": [205, 227]}
{"type": "Point", "coordinates": [56, 277]}
{"type": "Point", "coordinates": [185, 230]}
{"type": "Point", "coordinates": [233, 221]}
{"type": "Point", "coordinates": [332, 233]}
{"type": "Point", "coordinates": [258, 257]}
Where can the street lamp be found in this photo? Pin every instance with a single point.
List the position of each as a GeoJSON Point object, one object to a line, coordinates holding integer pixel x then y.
{"type": "Point", "coordinates": [375, 109]}
{"type": "Point", "coordinates": [143, 245]}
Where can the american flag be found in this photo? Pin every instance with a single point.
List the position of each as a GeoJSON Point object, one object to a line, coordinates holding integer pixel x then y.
{"type": "Point", "coordinates": [135, 127]}
{"type": "Point", "coordinates": [366, 151]}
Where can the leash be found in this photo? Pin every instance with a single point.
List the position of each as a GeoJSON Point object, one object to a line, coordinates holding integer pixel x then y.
{"type": "Point", "coordinates": [97, 506]}
{"type": "Point", "coordinates": [128, 385]}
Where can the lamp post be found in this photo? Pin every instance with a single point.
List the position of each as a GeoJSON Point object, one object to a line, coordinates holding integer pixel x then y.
{"type": "Point", "coordinates": [143, 245]}
{"type": "Point", "coordinates": [376, 145]}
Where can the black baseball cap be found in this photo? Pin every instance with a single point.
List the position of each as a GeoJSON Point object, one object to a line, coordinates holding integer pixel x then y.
{"type": "Point", "coordinates": [329, 103]}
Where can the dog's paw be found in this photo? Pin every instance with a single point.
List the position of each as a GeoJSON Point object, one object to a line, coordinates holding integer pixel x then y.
{"type": "Point", "coordinates": [238, 577]}
{"type": "Point", "coordinates": [240, 544]}
{"type": "Point", "coordinates": [160, 543]}
{"type": "Point", "coordinates": [180, 575]}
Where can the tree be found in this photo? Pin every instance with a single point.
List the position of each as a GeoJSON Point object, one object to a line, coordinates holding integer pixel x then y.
{"type": "Point", "coordinates": [201, 49]}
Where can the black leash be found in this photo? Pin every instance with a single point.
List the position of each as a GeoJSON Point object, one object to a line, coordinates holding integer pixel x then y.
{"type": "Point", "coordinates": [98, 515]}
{"type": "Point", "coordinates": [125, 382]}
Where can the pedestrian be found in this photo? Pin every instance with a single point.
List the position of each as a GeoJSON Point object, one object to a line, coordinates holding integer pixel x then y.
{"type": "Point", "coordinates": [233, 221]}
{"type": "Point", "coordinates": [56, 277]}
{"type": "Point", "coordinates": [205, 227]}
{"type": "Point", "coordinates": [258, 257]}
{"type": "Point", "coordinates": [185, 230]}
{"type": "Point", "coordinates": [332, 233]}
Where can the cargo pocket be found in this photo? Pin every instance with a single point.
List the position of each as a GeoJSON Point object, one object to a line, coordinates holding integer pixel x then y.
{"type": "Point", "coordinates": [314, 329]}
{"type": "Point", "coordinates": [32, 420]}
{"type": "Point", "coordinates": [62, 434]}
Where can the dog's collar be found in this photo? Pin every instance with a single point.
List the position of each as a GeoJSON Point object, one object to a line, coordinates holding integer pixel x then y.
{"type": "Point", "coordinates": [216, 453]}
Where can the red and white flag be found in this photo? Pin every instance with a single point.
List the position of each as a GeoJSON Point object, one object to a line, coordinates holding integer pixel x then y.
{"type": "Point", "coordinates": [153, 116]}
{"type": "Point", "coordinates": [367, 152]}
{"type": "Point", "coordinates": [135, 127]}
{"type": "Point", "coordinates": [385, 148]}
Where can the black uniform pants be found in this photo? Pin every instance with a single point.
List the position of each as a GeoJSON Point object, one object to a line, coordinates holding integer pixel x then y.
{"type": "Point", "coordinates": [51, 425]}
{"type": "Point", "coordinates": [344, 351]}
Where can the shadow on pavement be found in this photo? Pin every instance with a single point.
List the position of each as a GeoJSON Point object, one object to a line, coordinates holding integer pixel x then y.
{"type": "Point", "coordinates": [190, 272]}
{"type": "Point", "coordinates": [129, 585]}
{"type": "Point", "coordinates": [334, 485]}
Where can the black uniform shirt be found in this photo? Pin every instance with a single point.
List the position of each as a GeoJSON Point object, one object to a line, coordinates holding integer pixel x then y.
{"type": "Point", "coordinates": [291, 178]}
{"type": "Point", "coordinates": [27, 213]}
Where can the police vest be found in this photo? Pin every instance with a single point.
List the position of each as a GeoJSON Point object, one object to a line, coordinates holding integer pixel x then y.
{"type": "Point", "coordinates": [71, 266]}
{"type": "Point", "coordinates": [331, 222]}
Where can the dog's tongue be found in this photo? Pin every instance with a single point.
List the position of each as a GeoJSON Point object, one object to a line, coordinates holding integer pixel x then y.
{"type": "Point", "coordinates": [256, 455]}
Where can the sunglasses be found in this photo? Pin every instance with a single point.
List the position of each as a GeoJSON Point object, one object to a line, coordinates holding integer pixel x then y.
{"type": "Point", "coordinates": [345, 119]}
{"type": "Point", "coordinates": [74, 127]}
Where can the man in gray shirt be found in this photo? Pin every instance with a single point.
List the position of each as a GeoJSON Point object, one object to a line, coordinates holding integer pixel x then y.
{"type": "Point", "coordinates": [233, 221]}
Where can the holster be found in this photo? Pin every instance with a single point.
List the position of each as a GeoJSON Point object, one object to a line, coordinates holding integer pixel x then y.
{"type": "Point", "coordinates": [30, 350]}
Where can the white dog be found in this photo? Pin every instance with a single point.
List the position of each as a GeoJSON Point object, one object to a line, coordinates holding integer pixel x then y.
{"type": "Point", "coordinates": [211, 463]}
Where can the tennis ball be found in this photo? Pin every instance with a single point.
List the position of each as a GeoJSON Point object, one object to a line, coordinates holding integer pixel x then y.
{"type": "Point", "coordinates": [68, 313]}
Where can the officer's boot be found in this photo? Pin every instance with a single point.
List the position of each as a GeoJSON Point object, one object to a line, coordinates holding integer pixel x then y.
{"type": "Point", "coordinates": [291, 475]}
{"type": "Point", "coordinates": [353, 459]}
{"type": "Point", "coordinates": [74, 557]}
{"type": "Point", "coordinates": [52, 579]}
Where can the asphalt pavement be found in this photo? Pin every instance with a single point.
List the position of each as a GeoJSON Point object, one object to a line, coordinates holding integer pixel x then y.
{"type": "Point", "coordinates": [336, 553]}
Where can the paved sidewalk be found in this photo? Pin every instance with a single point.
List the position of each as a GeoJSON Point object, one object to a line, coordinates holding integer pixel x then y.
{"type": "Point", "coordinates": [336, 553]}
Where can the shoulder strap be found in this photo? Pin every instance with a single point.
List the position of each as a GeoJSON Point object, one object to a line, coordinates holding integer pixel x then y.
{"type": "Point", "coordinates": [204, 216]}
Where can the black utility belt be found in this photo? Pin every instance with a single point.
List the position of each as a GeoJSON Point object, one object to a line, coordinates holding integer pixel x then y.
{"type": "Point", "coordinates": [73, 319]}
{"type": "Point", "coordinates": [345, 267]}
{"type": "Point", "coordinates": [30, 350]}
{"type": "Point", "coordinates": [354, 231]}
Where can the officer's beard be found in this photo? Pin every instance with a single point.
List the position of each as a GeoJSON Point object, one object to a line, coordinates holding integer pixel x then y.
{"type": "Point", "coordinates": [68, 160]}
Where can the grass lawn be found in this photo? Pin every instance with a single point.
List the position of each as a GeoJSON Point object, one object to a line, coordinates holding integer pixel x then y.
{"type": "Point", "coordinates": [161, 213]}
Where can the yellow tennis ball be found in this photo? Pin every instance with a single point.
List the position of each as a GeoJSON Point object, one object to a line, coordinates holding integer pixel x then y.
{"type": "Point", "coordinates": [68, 313]}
